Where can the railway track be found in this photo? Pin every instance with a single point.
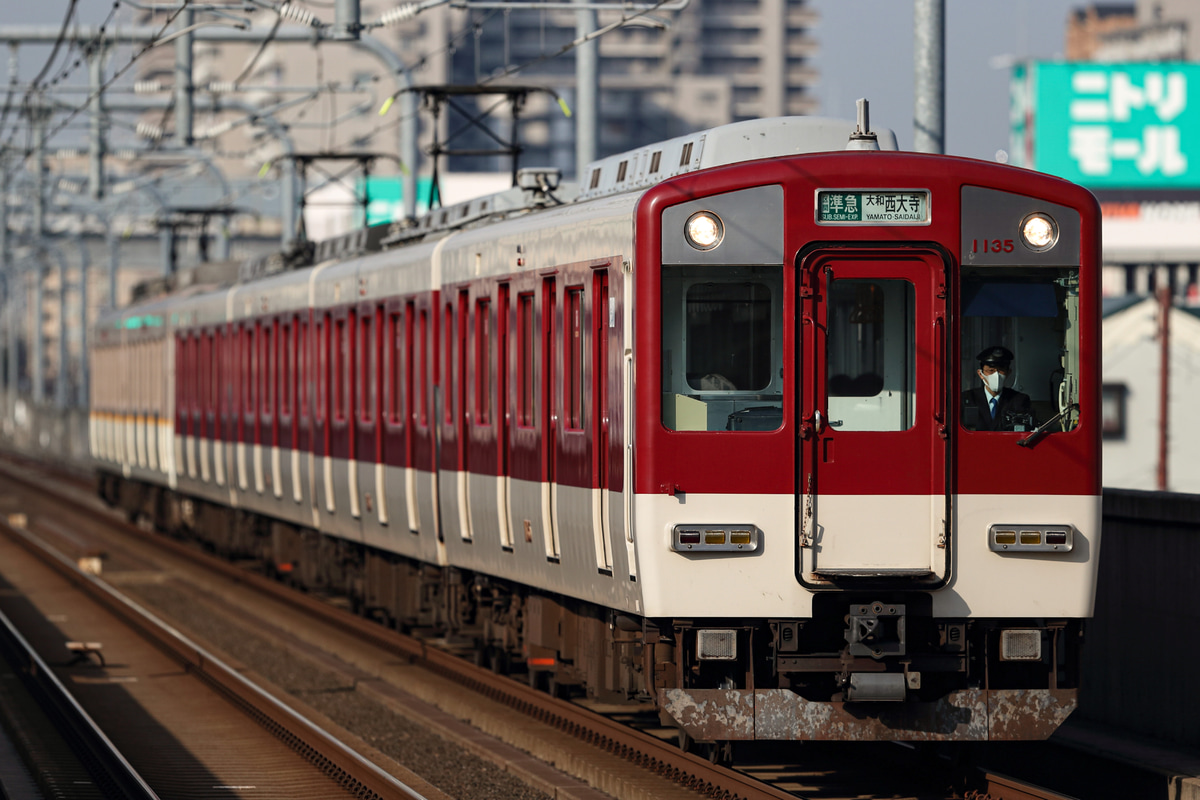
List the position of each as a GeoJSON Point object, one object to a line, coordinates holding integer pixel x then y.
{"type": "Point", "coordinates": [51, 741]}
{"type": "Point", "coordinates": [228, 604]}
{"type": "Point", "coordinates": [174, 716]}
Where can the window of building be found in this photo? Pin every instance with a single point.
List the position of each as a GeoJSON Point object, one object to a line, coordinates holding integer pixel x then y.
{"type": "Point", "coordinates": [1112, 410]}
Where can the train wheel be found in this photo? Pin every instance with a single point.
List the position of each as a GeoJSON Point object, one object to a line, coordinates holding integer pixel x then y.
{"type": "Point", "coordinates": [498, 660]}
{"type": "Point", "coordinates": [539, 679]}
{"type": "Point", "coordinates": [562, 691]}
{"type": "Point", "coordinates": [719, 753]}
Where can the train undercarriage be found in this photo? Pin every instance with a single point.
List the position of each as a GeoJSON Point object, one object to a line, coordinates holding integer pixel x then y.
{"type": "Point", "coordinates": [866, 666]}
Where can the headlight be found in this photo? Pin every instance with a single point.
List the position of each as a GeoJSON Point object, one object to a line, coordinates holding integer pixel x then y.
{"type": "Point", "coordinates": [1021, 645]}
{"type": "Point", "coordinates": [704, 230]}
{"type": "Point", "coordinates": [716, 645]}
{"type": "Point", "coordinates": [1039, 232]}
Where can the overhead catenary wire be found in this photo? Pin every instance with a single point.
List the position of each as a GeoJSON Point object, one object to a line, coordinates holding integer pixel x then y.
{"type": "Point", "coordinates": [89, 48]}
{"type": "Point", "coordinates": [62, 33]}
{"type": "Point", "coordinates": [159, 38]}
{"type": "Point", "coordinates": [509, 71]}
{"type": "Point", "coordinates": [381, 127]}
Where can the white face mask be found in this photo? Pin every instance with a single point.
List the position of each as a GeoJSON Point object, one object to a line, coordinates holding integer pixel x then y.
{"type": "Point", "coordinates": [994, 382]}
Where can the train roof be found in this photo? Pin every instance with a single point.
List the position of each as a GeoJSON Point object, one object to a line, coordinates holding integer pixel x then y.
{"type": "Point", "coordinates": [542, 187]}
{"type": "Point", "coordinates": [727, 144]}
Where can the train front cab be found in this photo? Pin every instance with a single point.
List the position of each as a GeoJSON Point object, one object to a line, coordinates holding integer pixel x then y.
{"type": "Point", "coordinates": [845, 552]}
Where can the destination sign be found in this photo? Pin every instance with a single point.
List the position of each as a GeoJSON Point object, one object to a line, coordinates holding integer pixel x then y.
{"type": "Point", "coordinates": [873, 207]}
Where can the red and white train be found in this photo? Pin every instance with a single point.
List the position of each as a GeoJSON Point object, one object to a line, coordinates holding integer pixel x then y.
{"type": "Point", "coordinates": [688, 433]}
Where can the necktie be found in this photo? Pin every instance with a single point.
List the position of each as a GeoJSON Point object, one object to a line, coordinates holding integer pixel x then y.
{"type": "Point", "coordinates": [994, 401]}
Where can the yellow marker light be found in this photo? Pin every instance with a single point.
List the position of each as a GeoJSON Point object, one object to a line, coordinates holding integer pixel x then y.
{"type": "Point", "coordinates": [1031, 538]}
{"type": "Point", "coordinates": [1006, 537]}
{"type": "Point", "coordinates": [1039, 232]}
{"type": "Point", "coordinates": [704, 230]}
{"type": "Point", "coordinates": [715, 539]}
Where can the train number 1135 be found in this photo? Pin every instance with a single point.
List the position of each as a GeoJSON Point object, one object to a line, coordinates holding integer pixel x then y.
{"type": "Point", "coordinates": [991, 245]}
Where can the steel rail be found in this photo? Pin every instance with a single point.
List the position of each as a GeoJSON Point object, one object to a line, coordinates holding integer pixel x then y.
{"type": "Point", "coordinates": [648, 752]}
{"type": "Point", "coordinates": [113, 774]}
{"type": "Point", "coordinates": [315, 744]}
{"type": "Point", "coordinates": [645, 751]}
{"type": "Point", "coordinates": [1002, 787]}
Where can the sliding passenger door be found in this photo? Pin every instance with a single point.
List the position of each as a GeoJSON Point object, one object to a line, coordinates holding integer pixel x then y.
{"type": "Point", "coordinates": [579, 430]}
{"type": "Point", "coordinates": [369, 431]}
{"type": "Point", "coordinates": [873, 492]}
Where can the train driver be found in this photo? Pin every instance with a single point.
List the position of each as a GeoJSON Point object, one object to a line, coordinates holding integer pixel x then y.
{"type": "Point", "coordinates": [991, 406]}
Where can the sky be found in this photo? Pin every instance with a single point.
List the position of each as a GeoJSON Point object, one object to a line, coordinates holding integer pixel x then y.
{"type": "Point", "coordinates": [866, 50]}
{"type": "Point", "coordinates": [983, 37]}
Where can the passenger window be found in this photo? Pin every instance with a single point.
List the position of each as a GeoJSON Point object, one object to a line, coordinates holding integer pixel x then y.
{"type": "Point", "coordinates": [1020, 336]}
{"type": "Point", "coordinates": [870, 364]}
{"type": "Point", "coordinates": [722, 334]}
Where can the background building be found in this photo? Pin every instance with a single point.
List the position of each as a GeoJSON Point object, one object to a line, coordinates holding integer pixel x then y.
{"type": "Point", "coordinates": [1140, 444]}
{"type": "Point", "coordinates": [660, 75]}
{"type": "Point", "coordinates": [1122, 117]}
{"type": "Point", "coordinates": [715, 63]}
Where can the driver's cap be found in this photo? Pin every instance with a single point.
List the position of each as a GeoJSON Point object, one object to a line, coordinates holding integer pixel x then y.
{"type": "Point", "coordinates": [998, 357]}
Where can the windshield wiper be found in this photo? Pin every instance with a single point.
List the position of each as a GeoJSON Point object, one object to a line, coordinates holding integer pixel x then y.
{"type": "Point", "coordinates": [1040, 430]}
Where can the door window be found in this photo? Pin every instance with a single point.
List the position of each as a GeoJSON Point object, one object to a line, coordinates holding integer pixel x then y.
{"type": "Point", "coordinates": [870, 355]}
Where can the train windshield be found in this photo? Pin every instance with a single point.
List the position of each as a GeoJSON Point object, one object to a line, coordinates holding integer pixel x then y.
{"type": "Point", "coordinates": [722, 348]}
{"type": "Point", "coordinates": [1020, 349]}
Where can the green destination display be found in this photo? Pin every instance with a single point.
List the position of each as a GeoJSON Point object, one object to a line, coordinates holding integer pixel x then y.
{"type": "Point", "coordinates": [873, 207]}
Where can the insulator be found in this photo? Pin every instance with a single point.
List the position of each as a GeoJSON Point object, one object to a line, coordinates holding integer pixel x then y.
{"type": "Point", "coordinates": [218, 129]}
{"type": "Point", "coordinates": [402, 14]}
{"type": "Point", "coordinates": [297, 14]}
{"type": "Point", "coordinates": [147, 87]}
{"type": "Point", "coordinates": [67, 153]}
{"type": "Point", "coordinates": [125, 154]}
{"type": "Point", "coordinates": [219, 87]}
{"type": "Point", "coordinates": [149, 131]}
